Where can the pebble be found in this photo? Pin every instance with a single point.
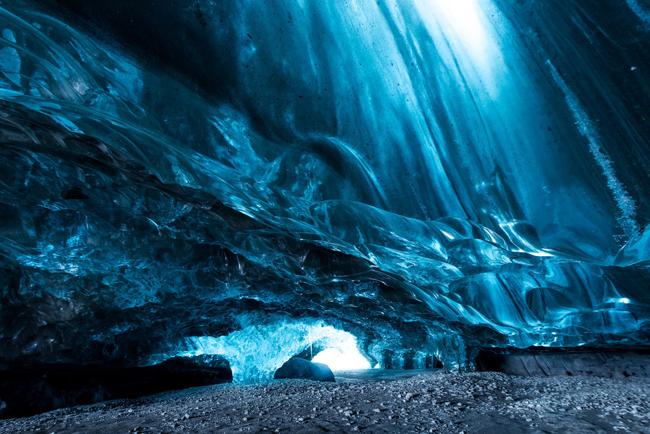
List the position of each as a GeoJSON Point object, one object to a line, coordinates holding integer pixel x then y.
{"type": "Point", "coordinates": [448, 402]}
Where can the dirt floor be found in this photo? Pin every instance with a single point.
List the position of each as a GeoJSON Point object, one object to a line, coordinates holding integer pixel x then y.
{"type": "Point", "coordinates": [381, 401]}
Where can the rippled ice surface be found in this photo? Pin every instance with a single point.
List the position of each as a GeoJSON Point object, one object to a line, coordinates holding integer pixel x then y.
{"type": "Point", "coordinates": [429, 176]}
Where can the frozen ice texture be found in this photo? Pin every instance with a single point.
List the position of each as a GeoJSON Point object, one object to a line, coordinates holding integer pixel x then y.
{"type": "Point", "coordinates": [429, 176]}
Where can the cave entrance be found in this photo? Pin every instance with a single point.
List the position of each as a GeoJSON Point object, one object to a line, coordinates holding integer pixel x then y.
{"type": "Point", "coordinates": [331, 350]}
{"type": "Point", "coordinates": [342, 358]}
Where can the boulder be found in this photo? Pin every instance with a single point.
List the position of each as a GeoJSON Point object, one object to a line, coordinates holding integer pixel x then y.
{"type": "Point", "coordinates": [578, 361]}
{"type": "Point", "coordinates": [34, 388]}
{"type": "Point", "coordinates": [301, 368]}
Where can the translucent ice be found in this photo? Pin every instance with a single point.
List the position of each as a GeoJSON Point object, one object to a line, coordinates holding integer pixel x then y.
{"type": "Point", "coordinates": [429, 177]}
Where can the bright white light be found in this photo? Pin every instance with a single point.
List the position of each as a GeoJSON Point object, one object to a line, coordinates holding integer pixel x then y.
{"type": "Point", "coordinates": [465, 34]}
{"type": "Point", "coordinates": [464, 18]}
{"type": "Point", "coordinates": [463, 25]}
{"type": "Point", "coordinates": [342, 360]}
{"type": "Point", "coordinates": [624, 300]}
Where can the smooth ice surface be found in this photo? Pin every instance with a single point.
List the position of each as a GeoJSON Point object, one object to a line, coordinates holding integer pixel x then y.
{"type": "Point", "coordinates": [430, 176]}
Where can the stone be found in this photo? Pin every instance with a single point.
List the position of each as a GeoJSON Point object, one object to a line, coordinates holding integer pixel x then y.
{"type": "Point", "coordinates": [304, 369]}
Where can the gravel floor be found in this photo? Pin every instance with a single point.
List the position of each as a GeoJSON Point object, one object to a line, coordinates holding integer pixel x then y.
{"type": "Point", "coordinates": [382, 402]}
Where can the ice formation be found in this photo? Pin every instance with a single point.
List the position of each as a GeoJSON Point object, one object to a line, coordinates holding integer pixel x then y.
{"type": "Point", "coordinates": [256, 352]}
{"type": "Point", "coordinates": [431, 177]}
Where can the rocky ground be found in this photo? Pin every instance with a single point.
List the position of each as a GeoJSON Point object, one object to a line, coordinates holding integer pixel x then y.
{"type": "Point", "coordinates": [382, 402]}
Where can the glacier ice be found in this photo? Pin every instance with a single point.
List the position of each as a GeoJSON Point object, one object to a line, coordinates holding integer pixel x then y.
{"type": "Point", "coordinates": [431, 177]}
{"type": "Point", "coordinates": [256, 352]}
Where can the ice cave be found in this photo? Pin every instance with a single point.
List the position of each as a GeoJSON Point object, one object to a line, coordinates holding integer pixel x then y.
{"type": "Point", "coordinates": [202, 191]}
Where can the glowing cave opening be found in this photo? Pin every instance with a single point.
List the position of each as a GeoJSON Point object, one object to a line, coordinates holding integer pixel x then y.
{"type": "Point", "coordinates": [342, 359]}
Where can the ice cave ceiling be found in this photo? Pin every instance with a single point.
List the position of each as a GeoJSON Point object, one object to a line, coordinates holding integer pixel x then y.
{"type": "Point", "coordinates": [253, 177]}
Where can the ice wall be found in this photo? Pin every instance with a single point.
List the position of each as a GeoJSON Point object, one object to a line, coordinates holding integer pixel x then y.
{"type": "Point", "coordinates": [431, 176]}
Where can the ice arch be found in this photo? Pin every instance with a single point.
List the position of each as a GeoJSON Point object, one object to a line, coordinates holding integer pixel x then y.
{"type": "Point", "coordinates": [257, 351]}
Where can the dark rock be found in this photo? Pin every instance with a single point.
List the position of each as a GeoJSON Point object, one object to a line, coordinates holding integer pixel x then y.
{"type": "Point", "coordinates": [552, 362]}
{"type": "Point", "coordinates": [31, 389]}
{"type": "Point", "coordinates": [301, 368]}
{"type": "Point", "coordinates": [75, 193]}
